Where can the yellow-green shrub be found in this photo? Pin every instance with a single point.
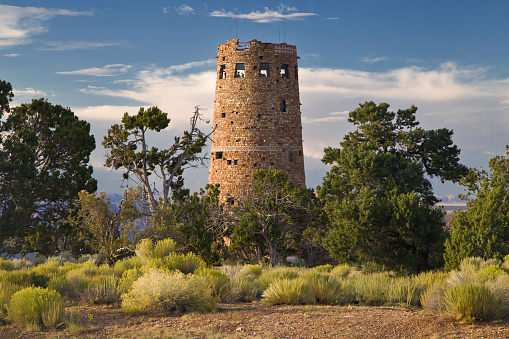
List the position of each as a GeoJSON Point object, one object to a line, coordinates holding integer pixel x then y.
{"type": "Point", "coordinates": [327, 289]}
{"type": "Point", "coordinates": [218, 282]}
{"type": "Point", "coordinates": [470, 302]}
{"type": "Point", "coordinates": [268, 276]}
{"type": "Point", "coordinates": [341, 271]}
{"type": "Point", "coordinates": [36, 307]}
{"type": "Point", "coordinates": [185, 263]}
{"type": "Point", "coordinates": [289, 292]}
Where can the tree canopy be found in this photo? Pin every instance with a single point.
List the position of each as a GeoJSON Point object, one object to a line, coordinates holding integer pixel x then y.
{"type": "Point", "coordinates": [43, 165]}
{"type": "Point", "coordinates": [127, 148]}
{"type": "Point", "coordinates": [378, 193]}
{"type": "Point", "coordinates": [483, 229]}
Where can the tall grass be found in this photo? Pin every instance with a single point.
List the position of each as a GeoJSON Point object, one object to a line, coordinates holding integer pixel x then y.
{"type": "Point", "coordinates": [289, 291]}
{"type": "Point", "coordinates": [328, 290]}
{"type": "Point", "coordinates": [469, 302]}
{"type": "Point", "coordinates": [268, 276]}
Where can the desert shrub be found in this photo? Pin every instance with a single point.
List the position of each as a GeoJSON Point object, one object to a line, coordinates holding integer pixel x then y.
{"type": "Point", "coordinates": [126, 264]}
{"type": "Point", "coordinates": [35, 307]}
{"type": "Point", "coordinates": [128, 278]}
{"type": "Point", "coordinates": [23, 278]}
{"type": "Point", "coordinates": [468, 302]}
{"type": "Point", "coordinates": [144, 248]}
{"type": "Point", "coordinates": [253, 271]}
{"type": "Point", "coordinates": [90, 258]}
{"type": "Point", "coordinates": [500, 288]}
{"type": "Point", "coordinates": [371, 289]}
{"type": "Point", "coordinates": [7, 289]}
{"type": "Point", "coordinates": [429, 278]}
{"type": "Point", "coordinates": [161, 292]}
{"type": "Point", "coordinates": [489, 273]}
{"type": "Point", "coordinates": [163, 248]}
{"type": "Point", "coordinates": [268, 276]}
{"type": "Point", "coordinates": [327, 289]}
{"type": "Point", "coordinates": [50, 269]}
{"type": "Point", "coordinates": [405, 291]}
{"type": "Point", "coordinates": [341, 271]}
{"type": "Point", "coordinates": [324, 268]}
{"type": "Point", "coordinates": [432, 299]}
{"type": "Point", "coordinates": [185, 263]}
{"type": "Point", "coordinates": [289, 291]}
{"type": "Point", "coordinates": [61, 258]}
{"type": "Point", "coordinates": [6, 264]}
{"type": "Point", "coordinates": [218, 282]}
{"type": "Point", "coordinates": [471, 264]}
{"type": "Point", "coordinates": [62, 286]}
{"type": "Point", "coordinates": [100, 289]}
{"type": "Point", "coordinates": [243, 289]}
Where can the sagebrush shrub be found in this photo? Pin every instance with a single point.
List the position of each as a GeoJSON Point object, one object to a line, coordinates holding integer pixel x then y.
{"type": "Point", "coordinates": [370, 289]}
{"type": "Point", "coordinates": [324, 268]}
{"type": "Point", "coordinates": [490, 273]}
{"type": "Point", "coordinates": [128, 278]}
{"type": "Point", "coordinates": [218, 282]}
{"type": "Point", "coordinates": [341, 271]}
{"type": "Point", "coordinates": [164, 247]}
{"type": "Point", "coordinates": [405, 291]}
{"type": "Point", "coordinates": [185, 263]}
{"type": "Point", "coordinates": [327, 289]}
{"type": "Point", "coordinates": [36, 306]}
{"type": "Point", "coordinates": [244, 289]}
{"type": "Point", "coordinates": [6, 265]}
{"type": "Point", "coordinates": [468, 302]}
{"type": "Point", "coordinates": [162, 292]}
{"type": "Point", "coordinates": [101, 289]}
{"type": "Point", "coordinates": [126, 264]}
{"type": "Point", "coordinates": [7, 289]}
{"type": "Point", "coordinates": [268, 276]}
{"type": "Point", "coordinates": [289, 292]}
{"type": "Point", "coordinates": [253, 271]}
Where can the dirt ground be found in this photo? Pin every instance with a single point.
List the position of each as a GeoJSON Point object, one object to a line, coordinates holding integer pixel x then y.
{"type": "Point", "coordinates": [258, 321]}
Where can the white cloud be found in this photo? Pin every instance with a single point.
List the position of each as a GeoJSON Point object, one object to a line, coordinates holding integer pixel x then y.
{"type": "Point", "coordinates": [184, 10]}
{"type": "Point", "coordinates": [267, 16]}
{"type": "Point", "coordinates": [12, 55]}
{"type": "Point", "coordinates": [70, 45]}
{"type": "Point", "coordinates": [369, 60]}
{"type": "Point", "coordinates": [19, 24]}
{"type": "Point", "coordinates": [105, 71]}
{"type": "Point", "coordinates": [29, 92]}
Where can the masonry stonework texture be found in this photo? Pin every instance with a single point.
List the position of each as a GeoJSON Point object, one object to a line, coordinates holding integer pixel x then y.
{"type": "Point", "coordinates": [257, 119]}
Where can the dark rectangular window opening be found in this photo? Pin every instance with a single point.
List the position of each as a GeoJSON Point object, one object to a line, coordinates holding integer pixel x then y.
{"type": "Point", "coordinates": [236, 161]}
{"type": "Point", "coordinates": [300, 153]}
{"type": "Point", "coordinates": [259, 116]}
{"type": "Point", "coordinates": [223, 115]}
{"type": "Point", "coordinates": [240, 71]}
{"type": "Point", "coordinates": [264, 70]}
{"type": "Point", "coordinates": [228, 162]}
{"type": "Point", "coordinates": [284, 71]}
{"type": "Point", "coordinates": [282, 106]}
{"type": "Point", "coordinates": [222, 72]}
{"type": "Point", "coordinates": [219, 155]}
{"type": "Point", "coordinates": [290, 156]}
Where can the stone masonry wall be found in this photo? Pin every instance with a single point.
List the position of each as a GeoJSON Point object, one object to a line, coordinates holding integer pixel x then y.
{"type": "Point", "coordinates": [257, 119]}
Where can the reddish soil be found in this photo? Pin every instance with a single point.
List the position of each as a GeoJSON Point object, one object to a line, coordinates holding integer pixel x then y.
{"type": "Point", "coordinates": [258, 321]}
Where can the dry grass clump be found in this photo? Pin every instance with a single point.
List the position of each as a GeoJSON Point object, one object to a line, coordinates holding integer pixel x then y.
{"type": "Point", "coordinates": [468, 302]}
{"type": "Point", "coordinates": [268, 276]}
{"type": "Point", "coordinates": [341, 271]}
{"type": "Point", "coordinates": [160, 292]}
{"type": "Point", "coordinates": [219, 282]}
{"type": "Point", "coordinates": [328, 290]}
{"type": "Point", "coordinates": [289, 291]}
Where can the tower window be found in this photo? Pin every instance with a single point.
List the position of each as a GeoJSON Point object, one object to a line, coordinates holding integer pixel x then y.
{"type": "Point", "coordinates": [240, 71]}
{"type": "Point", "coordinates": [264, 70]}
{"type": "Point", "coordinates": [259, 115]}
{"type": "Point", "coordinates": [236, 161]}
{"type": "Point", "coordinates": [290, 156]}
{"type": "Point", "coordinates": [223, 115]}
{"type": "Point", "coordinates": [282, 106]}
{"type": "Point", "coordinates": [284, 71]}
{"type": "Point", "coordinates": [222, 72]}
{"type": "Point", "coordinates": [219, 155]}
{"type": "Point", "coordinates": [228, 162]}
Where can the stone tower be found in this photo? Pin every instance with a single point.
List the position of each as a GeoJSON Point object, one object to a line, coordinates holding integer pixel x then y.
{"type": "Point", "coordinates": [257, 120]}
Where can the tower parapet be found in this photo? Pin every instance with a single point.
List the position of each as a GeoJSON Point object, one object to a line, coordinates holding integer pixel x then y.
{"type": "Point", "coordinates": [257, 119]}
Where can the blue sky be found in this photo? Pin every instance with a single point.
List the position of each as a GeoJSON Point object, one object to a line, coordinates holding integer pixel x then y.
{"type": "Point", "coordinates": [104, 58]}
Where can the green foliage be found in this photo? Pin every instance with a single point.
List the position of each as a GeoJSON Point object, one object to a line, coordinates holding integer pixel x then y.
{"type": "Point", "coordinates": [6, 265]}
{"type": "Point", "coordinates": [289, 292]}
{"type": "Point", "coordinates": [185, 263]}
{"type": "Point", "coordinates": [36, 306]}
{"type": "Point", "coordinates": [162, 293]}
{"type": "Point", "coordinates": [128, 278]}
{"type": "Point", "coordinates": [371, 289]}
{"type": "Point", "coordinates": [217, 280]}
{"type": "Point", "coordinates": [252, 270]}
{"type": "Point", "coordinates": [268, 276]}
{"type": "Point", "coordinates": [127, 148]}
{"type": "Point", "coordinates": [111, 228]}
{"type": "Point", "coordinates": [490, 273]}
{"type": "Point", "coordinates": [272, 216]}
{"type": "Point", "coordinates": [483, 229]}
{"type": "Point", "coordinates": [126, 264]}
{"type": "Point", "coordinates": [6, 96]}
{"type": "Point", "coordinates": [469, 302]}
{"type": "Point", "coordinates": [327, 289]}
{"type": "Point", "coordinates": [7, 289]}
{"type": "Point", "coordinates": [405, 291]}
{"type": "Point", "coordinates": [324, 268]}
{"type": "Point", "coordinates": [43, 165]}
{"type": "Point", "coordinates": [377, 194]}
{"type": "Point", "coordinates": [341, 271]}
{"type": "Point", "coordinates": [146, 249]}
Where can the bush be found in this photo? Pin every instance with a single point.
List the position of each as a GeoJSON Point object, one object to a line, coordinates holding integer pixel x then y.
{"type": "Point", "coordinates": [23, 278]}
{"type": "Point", "coordinates": [371, 289]}
{"type": "Point", "coordinates": [432, 299]}
{"type": "Point", "coordinates": [405, 291]}
{"type": "Point", "coordinates": [289, 292]}
{"type": "Point", "coordinates": [161, 292]}
{"type": "Point", "coordinates": [185, 263]}
{"type": "Point", "coordinates": [324, 268]}
{"type": "Point", "coordinates": [469, 302]}
{"type": "Point", "coordinates": [6, 265]}
{"type": "Point", "coordinates": [101, 289]}
{"type": "Point", "coordinates": [252, 270]}
{"type": "Point", "coordinates": [62, 286]}
{"type": "Point", "coordinates": [218, 282]}
{"type": "Point", "coordinates": [490, 273]}
{"type": "Point", "coordinates": [327, 289]}
{"type": "Point", "coordinates": [341, 271]}
{"type": "Point", "coordinates": [128, 278]}
{"type": "Point", "coordinates": [36, 307]}
{"type": "Point", "coordinates": [7, 289]}
{"type": "Point", "coordinates": [147, 250]}
{"type": "Point", "coordinates": [267, 277]}
{"type": "Point", "coordinates": [243, 289]}
{"type": "Point", "coordinates": [126, 264]}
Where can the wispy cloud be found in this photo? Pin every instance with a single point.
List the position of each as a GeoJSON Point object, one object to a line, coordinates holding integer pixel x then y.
{"type": "Point", "coordinates": [184, 10]}
{"type": "Point", "coordinates": [332, 18]}
{"type": "Point", "coordinates": [369, 60]}
{"type": "Point", "coordinates": [106, 71]}
{"type": "Point", "coordinates": [19, 24]}
{"type": "Point", "coordinates": [268, 15]}
{"type": "Point", "coordinates": [12, 55]}
{"type": "Point", "coordinates": [70, 45]}
{"type": "Point", "coordinates": [28, 92]}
